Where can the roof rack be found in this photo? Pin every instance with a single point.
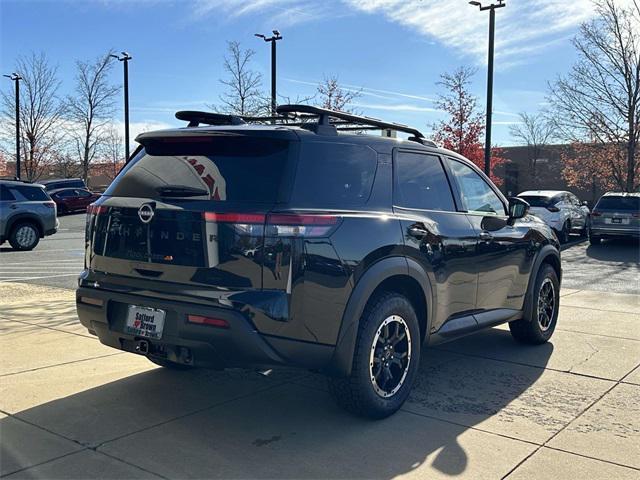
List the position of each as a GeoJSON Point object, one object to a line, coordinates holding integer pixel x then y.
{"type": "Point", "coordinates": [327, 122]}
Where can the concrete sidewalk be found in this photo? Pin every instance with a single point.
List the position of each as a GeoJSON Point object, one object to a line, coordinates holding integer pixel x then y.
{"type": "Point", "coordinates": [483, 406]}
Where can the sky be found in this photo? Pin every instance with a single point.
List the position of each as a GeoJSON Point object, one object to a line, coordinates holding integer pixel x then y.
{"type": "Point", "coordinates": [393, 51]}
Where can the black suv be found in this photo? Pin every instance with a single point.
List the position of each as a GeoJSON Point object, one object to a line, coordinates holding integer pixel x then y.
{"type": "Point", "coordinates": [298, 240]}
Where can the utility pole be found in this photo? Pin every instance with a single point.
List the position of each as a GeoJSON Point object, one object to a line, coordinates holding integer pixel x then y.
{"type": "Point", "coordinates": [273, 39]}
{"type": "Point", "coordinates": [492, 26]}
{"type": "Point", "coordinates": [16, 78]}
{"type": "Point", "coordinates": [125, 59]}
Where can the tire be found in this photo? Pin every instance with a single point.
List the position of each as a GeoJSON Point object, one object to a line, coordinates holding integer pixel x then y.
{"type": "Point", "coordinates": [24, 236]}
{"type": "Point", "coordinates": [539, 327]}
{"type": "Point", "coordinates": [563, 235]}
{"type": "Point", "coordinates": [169, 364]}
{"type": "Point", "coordinates": [368, 391]}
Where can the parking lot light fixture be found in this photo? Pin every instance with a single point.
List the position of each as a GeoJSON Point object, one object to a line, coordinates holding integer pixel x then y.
{"type": "Point", "coordinates": [492, 23]}
{"type": "Point", "coordinates": [16, 78]}
{"type": "Point", "coordinates": [125, 60]}
{"type": "Point", "coordinates": [273, 39]}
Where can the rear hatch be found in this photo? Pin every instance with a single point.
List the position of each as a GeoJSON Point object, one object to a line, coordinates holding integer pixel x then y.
{"type": "Point", "coordinates": [617, 212]}
{"type": "Point", "coordinates": [192, 208]}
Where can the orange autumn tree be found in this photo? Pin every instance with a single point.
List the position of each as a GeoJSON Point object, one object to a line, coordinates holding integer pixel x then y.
{"type": "Point", "coordinates": [463, 128]}
{"type": "Point", "coordinates": [596, 165]}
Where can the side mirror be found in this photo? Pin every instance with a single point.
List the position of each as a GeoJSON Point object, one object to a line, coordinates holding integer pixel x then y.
{"type": "Point", "coordinates": [518, 208]}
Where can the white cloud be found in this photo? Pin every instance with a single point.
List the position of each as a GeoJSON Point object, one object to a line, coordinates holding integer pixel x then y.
{"type": "Point", "coordinates": [523, 28]}
{"type": "Point", "coordinates": [281, 13]}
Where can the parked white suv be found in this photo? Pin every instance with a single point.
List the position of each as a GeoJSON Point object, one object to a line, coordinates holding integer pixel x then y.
{"type": "Point", "coordinates": [562, 211]}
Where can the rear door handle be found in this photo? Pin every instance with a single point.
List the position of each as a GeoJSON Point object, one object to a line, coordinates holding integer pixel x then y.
{"type": "Point", "coordinates": [485, 236]}
{"type": "Point", "coordinates": [416, 231]}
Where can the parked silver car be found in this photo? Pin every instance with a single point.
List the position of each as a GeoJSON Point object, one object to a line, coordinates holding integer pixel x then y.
{"type": "Point", "coordinates": [27, 214]}
{"type": "Point", "coordinates": [616, 215]}
{"type": "Point", "coordinates": [562, 211]}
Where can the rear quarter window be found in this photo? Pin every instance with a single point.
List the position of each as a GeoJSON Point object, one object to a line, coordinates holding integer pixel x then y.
{"type": "Point", "coordinates": [30, 194]}
{"type": "Point", "coordinates": [5, 194]}
{"type": "Point", "coordinates": [333, 175]}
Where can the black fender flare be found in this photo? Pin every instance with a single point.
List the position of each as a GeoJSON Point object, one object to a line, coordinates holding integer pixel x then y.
{"type": "Point", "coordinates": [342, 359]}
{"type": "Point", "coordinates": [545, 252]}
{"type": "Point", "coordinates": [24, 217]}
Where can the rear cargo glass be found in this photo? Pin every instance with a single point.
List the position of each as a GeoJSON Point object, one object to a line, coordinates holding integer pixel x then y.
{"type": "Point", "coordinates": [31, 194]}
{"type": "Point", "coordinates": [619, 203]}
{"type": "Point", "coordinates": [536, 201]}
{"type": "Point", "coordinates": [235, 169]}
{"type": "Point", "coordinates": [333, 174]}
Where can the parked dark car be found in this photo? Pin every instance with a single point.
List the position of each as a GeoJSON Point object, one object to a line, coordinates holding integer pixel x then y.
{"type": "Point", "coordinates": [369, 248]}
{"type": "Point", "coordinates": [616, 215]}
{"type": "Point", "coordinates": [58, 183]}
{"type": "Point", "coordinates": [27, 214]}
{"type": "Point", "coordinates": [73, 199]}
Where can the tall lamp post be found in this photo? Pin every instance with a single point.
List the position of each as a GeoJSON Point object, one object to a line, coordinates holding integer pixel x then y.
{"type": "Point", "coordinates": [273, 39]}
{"type": "Point", "coordinates": [125, 60]}
{"type": "Point", "coordinates": [492, 25]}
{"type": "Point", "coordinates": [16, 78]}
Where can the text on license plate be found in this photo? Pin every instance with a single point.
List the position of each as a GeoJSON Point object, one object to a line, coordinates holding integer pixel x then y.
{"type": "Point", "coordinates": [145, 321]}
{"type": "Point", "coordinates": [623, 221]}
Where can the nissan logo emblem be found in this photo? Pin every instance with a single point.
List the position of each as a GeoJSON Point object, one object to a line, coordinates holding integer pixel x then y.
{"type": "Point", "coordinates": [145, 212]}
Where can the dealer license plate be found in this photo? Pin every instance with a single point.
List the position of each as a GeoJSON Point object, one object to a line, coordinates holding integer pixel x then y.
{"type": "Point", "coordinates": [145, 322]}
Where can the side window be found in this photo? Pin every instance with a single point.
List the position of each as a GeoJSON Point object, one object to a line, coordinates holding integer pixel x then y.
{"type": "Point", "coordinates": [82, 193]}
{"type": "Point", "coordinates": [5, 194]}
{"type": "Point", "coordinates": [420, 182]}
{"type": "Point", "coordinates": [31, 194]}
{"type": "Point", "coordinates": [477, 195]}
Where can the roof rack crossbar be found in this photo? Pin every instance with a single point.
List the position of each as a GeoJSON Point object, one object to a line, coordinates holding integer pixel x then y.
{"type": "Point", "coordinates": [324, 115]}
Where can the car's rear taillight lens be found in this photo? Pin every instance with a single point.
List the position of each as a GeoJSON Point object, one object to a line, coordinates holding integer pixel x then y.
{"type": "Point", "coordinates": [284, 225]}
{"type": "Point", "coordinates": [94, 209]}
{"type": "Point", "coordinates": [553, 209]}
{"type": "Point", "coordinates": [211, 321]}
{"type": "Point", "coordinates": [595, 214]}
{"type": "Point", "coordinates": [50, 204]}
{"type": "Point", "coordinates": [277, 225]}
{"type": "Point", "coordinates": [635, 215]}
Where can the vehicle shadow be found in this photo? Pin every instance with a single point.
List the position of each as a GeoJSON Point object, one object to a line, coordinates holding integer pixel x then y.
{"type": "Point", "coordinates": [240, 424]}
{"type": "Point", "coordinates": [623, 251]}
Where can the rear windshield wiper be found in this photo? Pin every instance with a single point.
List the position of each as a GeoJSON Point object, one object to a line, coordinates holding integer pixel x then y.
{"type": "Point", "coordinates": [181, 191]}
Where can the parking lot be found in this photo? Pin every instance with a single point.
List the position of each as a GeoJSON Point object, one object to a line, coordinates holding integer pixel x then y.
{"type": "Point", "coordinates": [483, 407]}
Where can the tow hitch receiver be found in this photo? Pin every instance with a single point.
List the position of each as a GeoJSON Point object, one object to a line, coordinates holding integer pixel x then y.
{"type": "Point", "coordinates": [142, 346]}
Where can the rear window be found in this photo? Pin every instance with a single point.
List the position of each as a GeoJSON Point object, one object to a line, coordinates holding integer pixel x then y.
{"type": "Point", "coordinates": [619, 203]}
{"type": "Point", "coordinates": [333, 175]}
{"type": "Point", "coordinates": [230, 169]}
{"type": "Point", "coordinates": [31, 194]}
{"type": "Point", "coordinates": [65, 184]}
{"type": "Point", "coordinates": [537, 201]}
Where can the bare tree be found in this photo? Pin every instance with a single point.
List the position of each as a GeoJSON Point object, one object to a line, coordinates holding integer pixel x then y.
{"type": "Point", "coordinates": [113, 152]}
{"type": "Point", "coordinates": [91, 108]}
{"type": "Point", "coordinates": [40, 112]}
{"type": "Point", "coordinates": [65, 164]}
{"type": "Point", "coordinates": [243, 94]}
{"type": "Point", "coordinates": [535, 131]}
{"type": "Point", "coordinates": [333, 96]}
{"type": "Point", "coordinates": [599, 100]}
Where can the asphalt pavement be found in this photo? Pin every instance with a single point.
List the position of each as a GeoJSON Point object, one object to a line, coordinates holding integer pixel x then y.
{"type": "Point", "coordinates": [56, 261]}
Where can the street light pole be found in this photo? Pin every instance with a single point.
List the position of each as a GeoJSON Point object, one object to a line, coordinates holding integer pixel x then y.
{"type": "Point", "coordinates": [276, 36]}
{"type": "Point", "coordinates": [16, 78]}
{"type": "Point", "coordinates": [492, 27]}
{"type": "Point", "coordinates": [125, 59]}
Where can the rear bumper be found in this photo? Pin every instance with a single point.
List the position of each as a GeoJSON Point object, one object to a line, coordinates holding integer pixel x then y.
{"type": "Point", "coordinates": [605, 231]}
{"type": "Point", "coordinates": [240, 345]}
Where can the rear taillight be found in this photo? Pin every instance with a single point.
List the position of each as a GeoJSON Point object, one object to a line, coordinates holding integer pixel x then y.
{"type": "Point", "coordinates": [94, 209]}
{"type": "Point", "coordinates": [277, 225]}
{"type": "Point", "coordinates": [595, 214]}
{"type": "Point", "coordinates": [635, 215]}
{"type": "Point", "coordinates": [283, 225]}
{"type": "Point", "coordinates": [50, 204]}
{"type": "Point", "coordinates": [211, 321]}
{"type": "Point", "coordinates": [553, 209]}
